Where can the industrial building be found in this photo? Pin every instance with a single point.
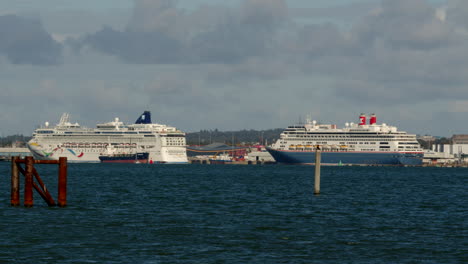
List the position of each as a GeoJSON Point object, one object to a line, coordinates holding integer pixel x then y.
{"type": "Point", "coordinates": [458, 148]}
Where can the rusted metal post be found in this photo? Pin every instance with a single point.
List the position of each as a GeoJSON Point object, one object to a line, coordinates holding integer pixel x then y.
{"type": "Point", "coordinates": [15, 188]}
{"type": "Point", "coordinates": [318, 153]}
{"type": "Point", "coordinates": [28, 182]}
{"type": "Point", "coordinates": [42, 189]}
{"type": "Point", "coordinates": [62, 182]}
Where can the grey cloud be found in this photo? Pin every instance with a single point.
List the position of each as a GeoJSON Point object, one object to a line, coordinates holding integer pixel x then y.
{"type": "Point", "coordinates": [24, 41]}
{"type": "Point", "coordinates": [157, 16]}
{"type": "Point", "coordinates": [347, 12]}
{"type": "Point", "coordinates": [160, 33]}
{"type": "Point", "coordinates": [401, 52]}
{"type": "Point", "coordinates": [318, 40]}
{"type": "Point", "coordinates": [403, 24]}
{"type": "Point", "coordinates": [138, 46]}
{"type": "Point", "coordinates": [457, 13]}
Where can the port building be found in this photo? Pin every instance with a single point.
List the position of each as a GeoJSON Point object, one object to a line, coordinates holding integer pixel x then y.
{"type": "Point", "coordinates": [458, 147]}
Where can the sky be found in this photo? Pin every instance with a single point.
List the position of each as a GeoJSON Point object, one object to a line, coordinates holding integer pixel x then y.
{"type": "Point", "coordinates": [235, 64]}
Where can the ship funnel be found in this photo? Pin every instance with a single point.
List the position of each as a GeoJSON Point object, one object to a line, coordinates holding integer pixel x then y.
{"type": "Point", "coordinates": [362, 119]}
{"type": "Point", "coordinates": [373, 119]}
{"type": "Point", "coordinates": [144, 118]}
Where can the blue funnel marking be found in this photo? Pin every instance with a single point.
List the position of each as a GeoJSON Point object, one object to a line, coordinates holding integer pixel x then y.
{"type": "Point", "coordinates": [144, 118]}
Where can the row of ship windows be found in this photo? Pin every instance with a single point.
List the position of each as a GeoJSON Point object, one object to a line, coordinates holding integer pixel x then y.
{"type": "Point", "coordinates": [353, 136]}
{"type": "Point", "coordinates": [86, 150]}
{"type": "Point", "coordinates": [86, 135]}
{"type": "Point", "coordinates": [175, 141]}
{"type": "Point", "coordinates": [94, 133]}
{"type": "Point", "coordinates": [385, 148]}
{"type": "Point", "coordinates": [361, 139]}
{"type": "Point", "coordinates": [96, 149]}
{"type": "Point", "coordinates": [98, 145]}
{"type": "Point", "coordinates": [342, 143]}
{"type": "Point", "coordinates": [355, 143]}
{"type": "Point", "coordinates": [349, 135]}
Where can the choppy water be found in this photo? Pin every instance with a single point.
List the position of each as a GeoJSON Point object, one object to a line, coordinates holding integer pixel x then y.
{"type": "Point", "coordinates": [121, 213]}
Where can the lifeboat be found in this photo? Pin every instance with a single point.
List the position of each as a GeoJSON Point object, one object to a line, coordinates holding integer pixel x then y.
{"type": "Point", "coordinates": [292, 147]}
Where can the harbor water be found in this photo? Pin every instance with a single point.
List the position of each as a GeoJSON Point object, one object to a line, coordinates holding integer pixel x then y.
{"type": "Point", "coordinates": [138, 213]}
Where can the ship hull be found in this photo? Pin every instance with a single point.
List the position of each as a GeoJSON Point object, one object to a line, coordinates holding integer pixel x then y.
{"type": "Point", "coordinates": [91, 155]}
{"type": "Point", "coordinates": [347, 158]}
{"type": "Point", "coordinates": [71, 155]}
{"type": "Point", "coordinates": [213, 161]}
{"type": "Point", "coordinates": [138, 158]}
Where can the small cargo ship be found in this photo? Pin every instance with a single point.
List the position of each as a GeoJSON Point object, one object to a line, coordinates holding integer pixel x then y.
{"type": "Point", "coordinates": [141, 157]}
{"type": "Point", "coordinates": [221, 159]}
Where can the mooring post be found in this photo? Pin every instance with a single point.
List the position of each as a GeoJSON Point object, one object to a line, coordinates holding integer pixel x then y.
{"type": "Point", "coordinates": [317, 170]}
{"type": "Point", "coordinates": [28, 182]}
{"type": "Point", "coordinates": [15, 188]}
{"type": "Point", "coordinates": [62, 182]}
{"type": "Point", "coordinates": [42, 189]}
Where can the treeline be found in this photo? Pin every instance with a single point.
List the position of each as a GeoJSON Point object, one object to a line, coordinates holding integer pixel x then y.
{"type": "Point", "coordinates": [243, 137]}
{"type": "Point", "coordinates": [8, 141]}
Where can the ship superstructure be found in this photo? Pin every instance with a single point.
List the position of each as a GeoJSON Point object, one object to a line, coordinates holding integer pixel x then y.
{"type": "Point", "coordinates": [165, 144]}
{"type": "Point", "coordinates": [360, 143]}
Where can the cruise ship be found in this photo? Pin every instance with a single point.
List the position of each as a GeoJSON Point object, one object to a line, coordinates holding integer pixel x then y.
{"type": "Point", "coordinates": [355, 144]}
{"type": "Point", "coordinates": [164, 144]}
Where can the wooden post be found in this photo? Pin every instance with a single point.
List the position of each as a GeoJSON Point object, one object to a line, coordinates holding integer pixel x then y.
{"type": "Point", "coordinates": [42, 189]}
{"type": "Point", "coordinates": [28, 182]}
{"type": "Point", "coordinates": [15, 188]}
{"type": "Point", "coordinates": [318, 153]}
{"type": "Point", "coordinates": [62, 182]}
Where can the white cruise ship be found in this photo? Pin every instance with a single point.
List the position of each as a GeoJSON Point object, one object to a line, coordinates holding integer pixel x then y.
{"type": "Point", "coordinates": [355, 144]}
{"type": "Point", "coordinates": [164, 144]}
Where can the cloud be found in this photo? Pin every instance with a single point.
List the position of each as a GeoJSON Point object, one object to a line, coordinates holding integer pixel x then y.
{"type": "Point", "coordinates": [160, 33]}
{"type": "Point", "coordinates": [24, 41]}
{"type": "Point", "coordinates": [459, 106]}
{"type": "Point", "coordinates": [456, 13]}
{"type": "Point", "coordinates": [404, 24]}
{"type": "Point", "coordinates": [399, 54]}
{"type": "Point", "coordinates": [138, 46]}
{"type": "Point", "coordinates": [403, 54]}
{"type": "Point", "coordinates": [345, 13]}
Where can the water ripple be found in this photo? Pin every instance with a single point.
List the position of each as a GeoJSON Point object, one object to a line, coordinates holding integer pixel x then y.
{"type": "Point", "coordinates": [241, 214]}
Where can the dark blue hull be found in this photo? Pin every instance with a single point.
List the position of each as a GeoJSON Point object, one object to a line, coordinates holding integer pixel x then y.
{"type": "Point", "coordinates": [347, 158]}
{"type": "Point", "coordinates": [125, 158]}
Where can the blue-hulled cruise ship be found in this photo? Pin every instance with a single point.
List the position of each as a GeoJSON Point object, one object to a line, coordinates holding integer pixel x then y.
{"type": "Point", "coordinates": [355, 144]}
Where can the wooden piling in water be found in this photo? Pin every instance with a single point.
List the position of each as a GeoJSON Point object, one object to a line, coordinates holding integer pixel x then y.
{"type": "Point", "coordinates": [318, 153]}
{"type": "Point", "coordinates": [42, 190]}
{"type": "Point", "coordinates": [30, 173]}
{"type": "Point", "coordinates": [62, 182]}
{"type": "Point", "coordinates": [15, 188]}
{"type": "Point", "coordinates": [28, 182]}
